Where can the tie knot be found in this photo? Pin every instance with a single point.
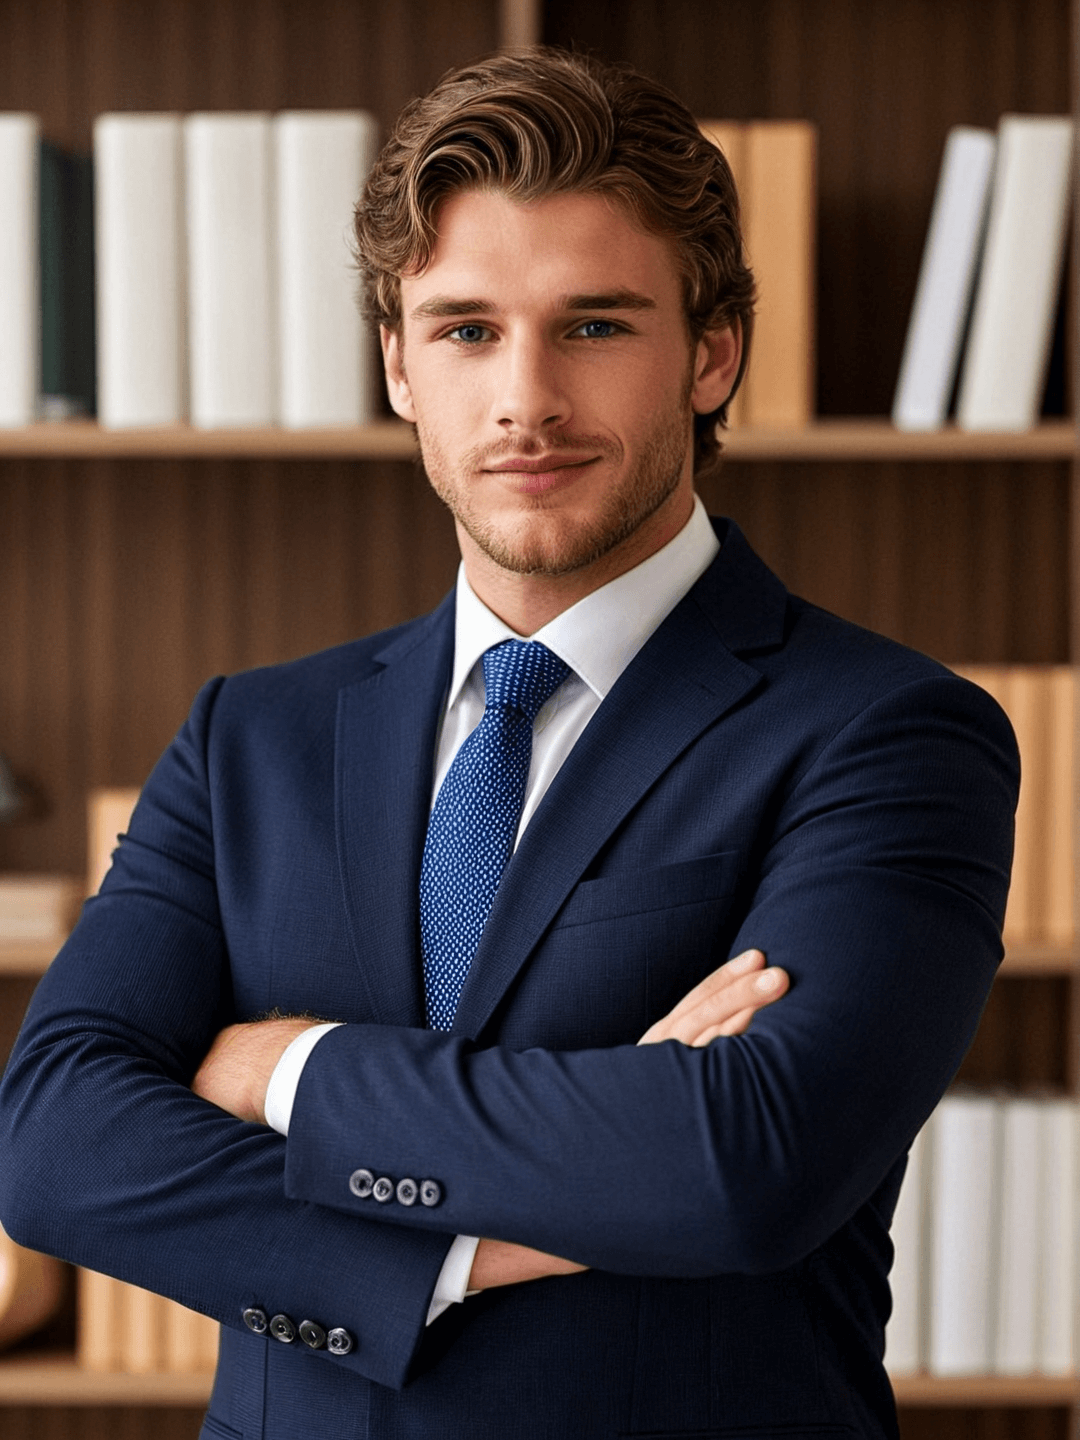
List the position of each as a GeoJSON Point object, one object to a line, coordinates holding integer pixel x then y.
{"type": "Point", "coordinates": [522, 675]}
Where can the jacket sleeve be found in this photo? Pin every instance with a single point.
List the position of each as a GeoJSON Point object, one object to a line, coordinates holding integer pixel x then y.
{"type": "Point", "coordinates": [108, 1160]}
{"type": "Point", "coordinates": [881, 890]}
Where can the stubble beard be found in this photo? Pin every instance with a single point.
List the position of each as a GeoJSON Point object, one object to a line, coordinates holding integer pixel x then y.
{"type": "Point", "coordinates": [543, 539]}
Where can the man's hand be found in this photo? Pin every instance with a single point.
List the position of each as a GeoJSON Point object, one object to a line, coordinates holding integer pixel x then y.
{"type": "Point", "coordinates": [723, 1004]}
{"type": "Point", "coordinates": [238, 1066]}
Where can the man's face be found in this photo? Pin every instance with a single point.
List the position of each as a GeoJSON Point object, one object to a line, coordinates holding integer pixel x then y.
{"type": "Point", "coordinates": [546, 362]}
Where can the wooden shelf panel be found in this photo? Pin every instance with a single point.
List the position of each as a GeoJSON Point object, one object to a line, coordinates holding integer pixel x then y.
{"type": "Point", "coordinates": [985, 1390]}
{"type": "Point", "coordinates": [1037, 960]}
{"type": "Point", "coordinates": [46, 1380]}
{"type": "Point", "coordinates": [869, 439]}
{"type": "Point", "coordinates": [26, 957]}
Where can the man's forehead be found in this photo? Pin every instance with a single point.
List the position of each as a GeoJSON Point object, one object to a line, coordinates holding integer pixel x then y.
{"type": "Point", "coordinates": [580, 251]}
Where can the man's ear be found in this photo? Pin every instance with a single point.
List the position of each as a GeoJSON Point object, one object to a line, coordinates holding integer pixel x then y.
{"type": "Point", "coordinates": [716, 364]}
{"type": "Point", "coordinates": [394, 367]}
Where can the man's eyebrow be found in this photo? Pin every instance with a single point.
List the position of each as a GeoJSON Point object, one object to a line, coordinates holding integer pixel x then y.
{"type": "Point", "coordinates": [441, 307]}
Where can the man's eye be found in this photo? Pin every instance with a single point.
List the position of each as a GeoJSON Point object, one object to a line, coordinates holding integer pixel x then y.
{"type": "Point", "coordinates": [598, 329]}
{"type": "Point", "coordinates": [469, 334]}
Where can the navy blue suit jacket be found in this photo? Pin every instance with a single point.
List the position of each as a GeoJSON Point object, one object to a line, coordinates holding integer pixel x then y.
{"type": "Point", "coordinates": [762, 774]}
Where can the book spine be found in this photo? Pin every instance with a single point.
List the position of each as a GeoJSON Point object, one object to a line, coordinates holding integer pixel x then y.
{"type": "Point", "coordinates": [1018, 1239]}
{"type": "Point", "coordinates": [143, 1331]}
{"type": "Point", "coordinates": [1060, 862]}
{"type": "Point", "coordinates": [1012, 323]}
{"type": "Point", "coordinates": [108, 812]}
{"type": "Point", "coordinates": [99, 1331]}
{"type": "Point", "coordinates": [779, 226]}
{"type": "Point", "coordinates": [965, 1192]}
{"type": "Point", "coordinates": [946, 281]}
{"type": "Point", "coordinates": [326, 353]}
{"type": "Point", "coordinates": [139, 260]}
{"type": "Point", "coordinates": [905, 1333]}
{"type": "Point", "coordinates": [227, 189]}
{"type": "Point", "coordinates": [20, 320]}
{"type": "Point", "coordinates": [1057, 1226]}
{"type": "Point", "coordinates": [1022, 703]}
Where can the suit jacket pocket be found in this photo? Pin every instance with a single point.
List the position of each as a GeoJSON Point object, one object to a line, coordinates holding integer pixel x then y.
{"type": "Point", "coordinates": [664, 887]}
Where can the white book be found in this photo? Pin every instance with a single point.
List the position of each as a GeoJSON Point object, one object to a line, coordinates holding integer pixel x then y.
{"type": "Point", "coordinates": [963, 1233]}
{"type": "Point", "coordinates": [139, 269]}
{"type": "Point", "coordinates": [1057, 1224]}
{"type": "Point", "coordinates": [905, 1333]}
{"type": "Point", "coordinates": [1012, 322]}
{"type": "Point", "coordinates": [321, 159]}
{"type": "Point", "coordinates": [20, 295]}
{"type": "Point", "coordinates": [946, 280]}
{"type": "Point", "coordinates": [1016, 1328]}
{"type": "Point", "coordinates": [230, 320]}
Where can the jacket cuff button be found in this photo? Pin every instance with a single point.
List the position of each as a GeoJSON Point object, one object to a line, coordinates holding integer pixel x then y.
{"type": "Point", "coordinates": [339, 1341]}
{"type": "Point", "coordinates": [383, 1189]}
{"type": "Point", "coordinates": [255, 1319]}
{"type": "Point", "coordinates": [283, 1329]}
{"type": "Point", "coordinates": [361, 1183]}
{"type": "Point", "coordinates": [430, 1192]}
{"type": "Point", "coordinates": [312, 1335]}
{"type": "Point", "coordinates": [407, 1191]}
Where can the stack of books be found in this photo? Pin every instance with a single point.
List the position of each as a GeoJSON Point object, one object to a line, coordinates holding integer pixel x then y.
{"type": "Point", "coordinates": [37, 913]}
{"type": "Point", "coordinates": [985, 1239]}
{"type": "Point", "coordinates": [990, 278]}
{"type": "Point", "coordinates": [214, 266]}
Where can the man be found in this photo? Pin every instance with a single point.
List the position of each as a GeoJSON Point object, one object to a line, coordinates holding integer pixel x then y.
{"type": "Point", "coordinates": [505, 843]}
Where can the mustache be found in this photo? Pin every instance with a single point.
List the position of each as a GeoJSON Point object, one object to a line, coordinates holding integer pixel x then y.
{"type": "Point", "coordinates": [481, 456]}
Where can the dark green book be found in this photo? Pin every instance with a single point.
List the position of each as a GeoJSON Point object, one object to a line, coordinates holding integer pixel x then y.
{"type": "Point", "coordinates": [68, 370]}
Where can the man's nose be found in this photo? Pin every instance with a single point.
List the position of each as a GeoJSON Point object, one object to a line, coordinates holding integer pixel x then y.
{"type": "Point", "coordinates": [531, 391]}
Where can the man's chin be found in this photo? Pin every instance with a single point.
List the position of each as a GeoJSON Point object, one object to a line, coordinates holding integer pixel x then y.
{"type": "Point", "coordinates": [550, 549]}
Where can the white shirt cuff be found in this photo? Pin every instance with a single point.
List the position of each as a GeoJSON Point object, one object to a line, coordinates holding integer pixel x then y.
{"type": "Point", "coordinates": [452, 1284]}
{"type": "Point", "coordinates": [281, 1092]}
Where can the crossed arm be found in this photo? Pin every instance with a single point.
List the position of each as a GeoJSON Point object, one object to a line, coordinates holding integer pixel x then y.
{"type": "Point", "coordinates": [237, 1070]}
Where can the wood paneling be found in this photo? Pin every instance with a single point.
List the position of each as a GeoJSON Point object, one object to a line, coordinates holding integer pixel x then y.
{"type": "Point", "coordinates": [968, 562]}
{"type": "Point", "coordinates": [68, 60]}
{"type": "Point", "coordinates": [883, 80]}
{"type": "Point", "coordinates": [982, 1424]}
{"type": "Point", "coordinates": [31, 1422]}
{"type": "Point", "coordinates": [126, 584]}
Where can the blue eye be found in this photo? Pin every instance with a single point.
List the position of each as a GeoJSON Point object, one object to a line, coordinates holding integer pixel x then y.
{"type": "Point", "coordinates": [598, 329]}
{"type": "Point", "coordinates": [469, 334]}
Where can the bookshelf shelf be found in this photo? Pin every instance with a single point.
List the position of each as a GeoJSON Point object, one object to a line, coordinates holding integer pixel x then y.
{"type": "Point", "coordinates": [924, 1391]}
{"type": "Point", "coordinates": [47, 1380]}
{"type": "Point", "coordinates": [841, 439]}
{"type": "Point", "coordinates": [26, 957]}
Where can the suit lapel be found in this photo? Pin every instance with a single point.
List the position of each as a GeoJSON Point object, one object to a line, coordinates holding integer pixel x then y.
{"type": "Point", "coordinates": [684, 680]}
{"type": "Point", "coordinates": [385, 748]}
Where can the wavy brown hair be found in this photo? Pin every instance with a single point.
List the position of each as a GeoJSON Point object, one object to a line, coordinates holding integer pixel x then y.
{"type": "Point", "coordinates": [541, 121]}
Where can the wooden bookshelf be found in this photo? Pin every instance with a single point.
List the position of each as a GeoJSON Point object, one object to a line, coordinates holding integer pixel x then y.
{"type": "Point", "coordinates": [46, 1379]}
{"type": "Point", "coordinates": [836, 440]}
{"type": "Point", "coordinates": [1008, 1391]}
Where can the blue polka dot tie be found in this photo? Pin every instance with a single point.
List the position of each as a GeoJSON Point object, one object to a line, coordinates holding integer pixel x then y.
{"type": "Point", "coordinates": [473, 824]}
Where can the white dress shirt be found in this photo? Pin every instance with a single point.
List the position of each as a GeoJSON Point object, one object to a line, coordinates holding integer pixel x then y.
{"type": "Point", "coordinates": [597, 637]}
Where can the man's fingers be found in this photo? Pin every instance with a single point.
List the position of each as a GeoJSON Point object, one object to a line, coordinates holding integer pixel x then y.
{"type": "Point", "coordinates": [723, 1004]}
{"type": "Point", "coordinates": [716, 983]}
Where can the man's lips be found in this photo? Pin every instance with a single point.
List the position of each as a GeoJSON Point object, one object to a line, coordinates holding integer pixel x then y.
{"type": "Point", "coordinates": [549, 472]}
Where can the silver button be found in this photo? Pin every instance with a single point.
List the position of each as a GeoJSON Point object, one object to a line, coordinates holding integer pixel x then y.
{"type": "Point", "coordinates": [430, 1192]}
{"type": "Point", "coordinates": [283, 1329]}
{"type": "Point", "coordinates": [383, 1189]}
{"type": "Point", "coordinates": [407, 1191]}
{"type": "Point", "coordinates": [255, 1319]}
{"type": "Point", "coordinates": [313, 1335]}
{"type": "Point", "coordinates": [361, 1183]}
{"type": "Point", "coordinates": [339, 1341]}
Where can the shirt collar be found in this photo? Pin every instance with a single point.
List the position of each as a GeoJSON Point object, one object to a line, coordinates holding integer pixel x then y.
{"type": "Point", "coordinates": [601, 634]}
